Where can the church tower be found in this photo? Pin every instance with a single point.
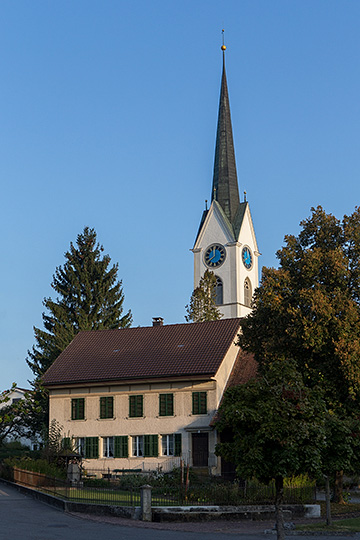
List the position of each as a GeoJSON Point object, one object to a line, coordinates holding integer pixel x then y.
{"type": "Point", "coordinates": [226, 242]}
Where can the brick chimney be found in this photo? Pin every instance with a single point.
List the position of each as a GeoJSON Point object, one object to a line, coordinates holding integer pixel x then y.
{"type": "Point", "coordinates": [158, 321]}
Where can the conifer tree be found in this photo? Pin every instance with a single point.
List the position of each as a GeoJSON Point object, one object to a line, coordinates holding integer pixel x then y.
{"type": "Point", "coordinates": [202, 306]}
{"type": "Point", "coordinates": [89, 297]}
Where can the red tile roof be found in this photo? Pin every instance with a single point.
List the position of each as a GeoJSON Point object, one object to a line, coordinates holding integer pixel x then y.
{"type": "Point", "coordinates": [178, 350]}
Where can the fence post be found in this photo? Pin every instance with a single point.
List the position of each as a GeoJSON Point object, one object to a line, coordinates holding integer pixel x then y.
{"type": "Point", "coordinates": [145, 503]}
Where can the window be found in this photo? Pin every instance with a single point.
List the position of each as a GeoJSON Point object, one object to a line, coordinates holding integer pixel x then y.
{"type": "Point", "coordinates": [171, 445]}
{"type": "Point", "coordinates": [151, 445]}
{"type": "Point", "coordinates": [108, 447]}
{"type": "Point", "coordinates": [166, 404]}
{"type": "Point", "coordinates": [91, 447]}
{"type": "Point", "coordinates": [138, 445]}
{"type": "Point", "coordinates": [66, 443]}
{"type": "Point", "coordinates": [80, 446]}
{"type": "Point", "coordinates": [145, 445]}
{"type": "Point", "coordinates": [121, 446]}
{"type": "Point", "coordinates": [106, 407]}
{"type": "Point", "coordinates": [218, 291]}
{"type": "Point", "coordinates": [247, 292]}
{"type": "Point", "coordinates": [136, 406]}
{"type": "Point", "coordinates": [199, 403]}
{"type": "Point", "coordinates": [78, 409]}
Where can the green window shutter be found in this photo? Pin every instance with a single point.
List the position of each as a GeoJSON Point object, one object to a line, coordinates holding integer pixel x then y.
{"type": "Point", "coordinates": [166, 404]}
{"type": "Point", "coordinates": [91, 447]}
{"type": "Point", "coordinates": [199, 403]}
{"type": "Point", "coordinates": [107, 407]}
{"type": "Point", "coordinates": [151, 445]}
{"type": "Point", "coordinates": [121, 446]}
{"type": "Point", "coordinates": [66, 443]}
{"type": "Point", "coordinates": [78, 409]}
{"type": "Point", "coordinates": [136, 406]}
{"type": "Point", "coordinates": [177, 438]}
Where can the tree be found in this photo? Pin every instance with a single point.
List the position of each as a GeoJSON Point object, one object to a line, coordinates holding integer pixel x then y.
{"type": "Point", "coordinates": [13, 415]}
{"type": "Point", "coordinates": [202, 305]}
{"type": "Point", "coordinates": [277, 426]}
{"type": "Point", "coordinates": [308, 309]}
{"type": "Point", "coordinates": [89, 297]}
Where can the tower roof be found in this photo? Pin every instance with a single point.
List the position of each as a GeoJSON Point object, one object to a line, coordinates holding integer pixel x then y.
{"type": "Point", "coordinates": [225, 184]}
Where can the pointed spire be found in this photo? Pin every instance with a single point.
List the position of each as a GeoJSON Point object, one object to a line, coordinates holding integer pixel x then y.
{"type": "Point", "coordinates": [225, 184]}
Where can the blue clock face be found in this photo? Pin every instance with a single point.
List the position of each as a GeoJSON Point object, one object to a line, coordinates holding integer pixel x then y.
{"type": "Point", "coordinates": [214, 255]}
{"type": "Point", "coordinates": [247, 257]}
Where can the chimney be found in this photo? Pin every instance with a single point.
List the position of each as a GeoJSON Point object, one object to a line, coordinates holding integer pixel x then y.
{"type": "Point", "coordinates": [158, 321]}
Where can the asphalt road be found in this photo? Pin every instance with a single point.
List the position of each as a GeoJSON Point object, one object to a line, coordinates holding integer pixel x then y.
{"type": "Point", "coordinates": [23, 518]}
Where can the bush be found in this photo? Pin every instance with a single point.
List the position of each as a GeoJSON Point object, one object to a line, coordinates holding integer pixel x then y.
{"type": "Point", "coordinates": [38, 465]}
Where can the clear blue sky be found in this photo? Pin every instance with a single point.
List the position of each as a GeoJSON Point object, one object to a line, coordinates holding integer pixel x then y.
{"type": "Point", "coordinates": [108, 119]}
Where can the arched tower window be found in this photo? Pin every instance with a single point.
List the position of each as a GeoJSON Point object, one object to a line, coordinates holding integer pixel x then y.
{"type": "Point", "coordinates": [219, 291]}
{"type": "Point", "coordinates": [247, 292]}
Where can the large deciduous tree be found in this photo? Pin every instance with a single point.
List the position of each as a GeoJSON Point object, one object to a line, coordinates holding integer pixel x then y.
{"type": "Point", "coordinates": [277, 426]}
{"type": "Point", "coordinates": [89, 297]}
{"type": "Point", "coordinates": [202, 306]}
{"type": "Point", "coordinates": [309, 309]}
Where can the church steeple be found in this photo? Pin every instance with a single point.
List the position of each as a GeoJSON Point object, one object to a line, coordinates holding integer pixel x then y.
{"type": "Point", "coordinates": [225, 185]}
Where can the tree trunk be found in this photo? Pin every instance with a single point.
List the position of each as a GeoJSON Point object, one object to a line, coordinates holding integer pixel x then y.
{"type": "Point", "coordinates": [338, 488]}
{"type": "Point", "coordinates": [328, 506]}
{"type": "Point", "coordinates": [279, 495]}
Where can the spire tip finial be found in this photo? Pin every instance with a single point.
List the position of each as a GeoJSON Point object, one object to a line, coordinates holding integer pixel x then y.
{"type": "Point", "coordinates": [223, 48]}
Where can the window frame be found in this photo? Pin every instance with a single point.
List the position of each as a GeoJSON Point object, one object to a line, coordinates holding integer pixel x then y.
{"type": "Point", "coordinates": [166, 404]}
{"type": "Point", "coordinates": [108, 447]}
{"type": "Point", "coordinates": [106, 407]}
{"type": "Point", "coordinates": [77, 408]}
{"type": "Point", "coordinates": [136, 406]}
{"type": "Point", "coordinates": [199, 402]}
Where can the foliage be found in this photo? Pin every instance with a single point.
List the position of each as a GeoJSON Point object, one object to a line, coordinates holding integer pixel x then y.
{"type": "Point", "coordinates": [39, 465]}
{"type": "Point", "coordinates": [13, 415]}
{"type": "Point", "coordinates": [202, 306]}
{"type": "Point", "coordinates": [89, 297]}
{"type": "Point", "coordinates": [277, 426]}
{"type": "Point", "coordinates": [308, 308]}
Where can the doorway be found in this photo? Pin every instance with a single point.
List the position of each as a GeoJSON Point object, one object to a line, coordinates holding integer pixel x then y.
{"type": "Point", "coordinates": [200, 449]}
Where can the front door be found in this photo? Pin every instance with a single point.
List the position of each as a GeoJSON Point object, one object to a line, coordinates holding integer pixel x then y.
{"type": "Point", "coordinates": [200, 449]}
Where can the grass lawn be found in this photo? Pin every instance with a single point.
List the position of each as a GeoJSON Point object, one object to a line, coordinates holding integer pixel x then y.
{"type": "Point", "coordinates": [345, 517]}
{"type": "Point", "coordinates": [341, 525]}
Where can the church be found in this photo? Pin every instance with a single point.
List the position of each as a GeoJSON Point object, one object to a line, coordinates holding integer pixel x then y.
{"type": "Point", "coordinates": [140, 399]}
{"type": "Point", "coordinates": [226, 242]}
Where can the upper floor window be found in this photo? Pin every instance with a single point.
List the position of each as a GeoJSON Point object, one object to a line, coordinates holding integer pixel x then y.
{"type": "Point", "coordinates": [78, 409]}
{"type": "Point", "coordinates": [136, 406]}
{"type": "Point", "coordinates": [219, 296]}
{"type": "Point", "coordinates": [107, 407]}
{"type": "Point", "coordinates": [199, 403]}
{"type": "Point", "coordinates": [166, 404]}
{"type": "Point", "coordinates": [247, 292]}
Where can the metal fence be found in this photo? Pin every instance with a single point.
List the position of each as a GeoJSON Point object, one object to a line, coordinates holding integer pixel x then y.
{"type": "Point", "coordinates": [111, 491]}
{"type": "Point", "coordinates": [57, 487]}
{"type": "Point", "coordinates": [229, 494]}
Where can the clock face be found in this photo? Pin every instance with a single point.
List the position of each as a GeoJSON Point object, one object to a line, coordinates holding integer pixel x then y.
{"type": "Point", "coordinates": [214, 255]}
{"type": "Point", "coordinates": [247, 257]}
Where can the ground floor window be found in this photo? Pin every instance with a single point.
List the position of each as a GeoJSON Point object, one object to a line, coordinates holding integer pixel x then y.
{"type": "Point", "coordinates": [108, 447]}
{"type": "Point", "coordinates": [138, 445]}
{"type": "Point", "coordinates": [171, 444]}
{"type": "Point", "coordinates": [80, 446]}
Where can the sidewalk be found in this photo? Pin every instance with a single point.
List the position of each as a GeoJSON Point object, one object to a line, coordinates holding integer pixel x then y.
{"type": "Point", "coordinates": [244, 527]}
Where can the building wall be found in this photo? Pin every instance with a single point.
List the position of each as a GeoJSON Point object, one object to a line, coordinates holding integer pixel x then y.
{"type": "Point", "coordinates": [232, 272]}
{"type": "Point", "coordinates": [183, 421]}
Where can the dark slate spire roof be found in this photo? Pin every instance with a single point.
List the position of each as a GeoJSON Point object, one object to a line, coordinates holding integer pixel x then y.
{"type": "Point", "coordinates": [225, 184]}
